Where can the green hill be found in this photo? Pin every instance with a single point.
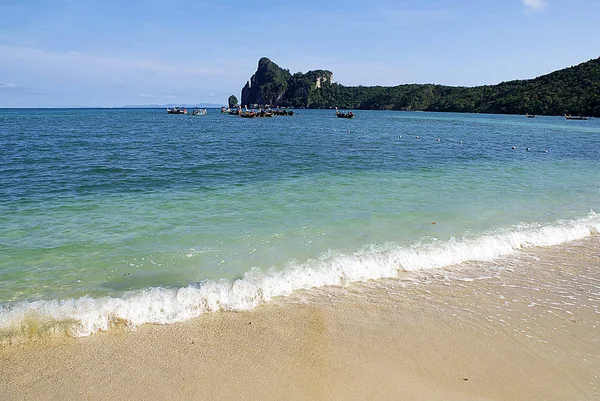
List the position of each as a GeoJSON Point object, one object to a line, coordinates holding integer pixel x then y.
{"type": "Point", "coordinates": [574, 90]}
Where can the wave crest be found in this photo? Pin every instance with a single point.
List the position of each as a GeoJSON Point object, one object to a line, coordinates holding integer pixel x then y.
{"type": "Point", "coordinates": [83, 316]}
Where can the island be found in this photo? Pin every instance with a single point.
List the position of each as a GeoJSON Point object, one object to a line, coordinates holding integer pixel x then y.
{"type": "Point", "coordinates": [572, 91]}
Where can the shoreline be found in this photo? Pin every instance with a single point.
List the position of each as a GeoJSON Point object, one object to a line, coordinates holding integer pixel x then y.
{"type": "Point", "coordinates": [530, 331]}
{"type": "Point", "coordinates": [84, 315]}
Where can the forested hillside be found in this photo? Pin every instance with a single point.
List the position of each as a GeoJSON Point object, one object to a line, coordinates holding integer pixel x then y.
{"type": "Point", "coordinates": [574, 90]}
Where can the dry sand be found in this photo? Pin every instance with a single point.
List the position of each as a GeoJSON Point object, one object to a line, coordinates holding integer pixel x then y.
{"type": "Point", "coordinates": [529, 333]}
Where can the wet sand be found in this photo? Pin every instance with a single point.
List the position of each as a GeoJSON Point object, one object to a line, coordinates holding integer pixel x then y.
{"type": "Point", "coordinates": [529, 331]}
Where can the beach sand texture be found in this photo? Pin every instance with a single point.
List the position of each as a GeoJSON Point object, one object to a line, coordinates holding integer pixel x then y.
{"type": "Point", "coordinates": [530, 331]}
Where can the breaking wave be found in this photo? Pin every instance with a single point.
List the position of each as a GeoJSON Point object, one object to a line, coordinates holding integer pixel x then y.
{"type": "Point", "coordinates": [83, 316]}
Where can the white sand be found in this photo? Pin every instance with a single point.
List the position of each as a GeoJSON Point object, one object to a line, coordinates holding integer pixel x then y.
{"type": "Point", "coordinates": [519, 336]}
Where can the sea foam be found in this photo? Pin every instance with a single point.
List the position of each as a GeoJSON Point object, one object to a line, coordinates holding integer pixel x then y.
{"type": "Point", "coordinates": [81, 317]}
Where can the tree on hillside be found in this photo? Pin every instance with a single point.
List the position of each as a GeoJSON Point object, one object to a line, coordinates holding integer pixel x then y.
{"type": "Point", "coordinates": [572, 90]}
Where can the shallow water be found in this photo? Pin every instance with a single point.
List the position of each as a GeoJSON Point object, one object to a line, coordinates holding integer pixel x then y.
{"type": "Point", "coordinates": [142, 216]}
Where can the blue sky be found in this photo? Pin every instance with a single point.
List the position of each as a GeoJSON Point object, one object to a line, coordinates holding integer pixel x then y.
{"type": "Point", "coordinates": [64, 53]}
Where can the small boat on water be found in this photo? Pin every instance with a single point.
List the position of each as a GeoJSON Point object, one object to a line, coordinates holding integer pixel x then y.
{"type": "Point", "coordinates": [246, 114]}
{"type": "Point", "coordinates": [570, 117]}
{"type": "Point", "coordinates": [264, 113]}
{"type": "Point", "coordinates": [282, 112]}
{"type": "Point", "coordinates": [530, 115]}
{"type": "Point", "coordinates": [340, 114]}
{"type": "Point", "coordinates": [177, 110]}
{"type": "Point", "coordinates": [198, 111]}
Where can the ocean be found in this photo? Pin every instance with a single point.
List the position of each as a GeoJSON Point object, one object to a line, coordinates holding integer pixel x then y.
{"type": "Point", "coordinates": [133, 216]}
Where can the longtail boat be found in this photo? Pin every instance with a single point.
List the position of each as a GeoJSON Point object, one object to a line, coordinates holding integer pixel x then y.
{"type": "Point", "coordinates": [340, 114]}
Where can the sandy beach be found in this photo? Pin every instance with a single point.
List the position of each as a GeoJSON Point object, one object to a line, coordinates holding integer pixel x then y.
{"type": "Point", "coordinates": [530, 330]}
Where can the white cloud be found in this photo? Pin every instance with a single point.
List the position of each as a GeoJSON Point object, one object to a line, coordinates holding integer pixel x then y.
{"type": "Point", "coordinates": [534, 5]}
{"type": "Point", "coordinates": [113, 78]}
{"type": "Point", "coordinates": [99, 65]}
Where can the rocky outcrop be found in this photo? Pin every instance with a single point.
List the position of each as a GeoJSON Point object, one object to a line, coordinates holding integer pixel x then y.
{"type": "Point", "coordinates": [572, 90]}
{"type": "Point", "coordinates": [232, 101]}
{"type": "Point", "coordinates": [267, 85]}
{"type": "Point", "coordinates": [273, 86]}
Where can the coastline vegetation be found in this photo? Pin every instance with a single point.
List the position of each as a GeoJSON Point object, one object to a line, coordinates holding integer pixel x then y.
{"type": "Point", "coordinates": [571, 90]}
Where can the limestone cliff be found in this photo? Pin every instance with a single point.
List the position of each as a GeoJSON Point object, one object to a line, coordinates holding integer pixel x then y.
{"type": "Point", "coordinates": [572, 90]}
{"type": "Point", "coordinates": [267, 85]}
{"type": "Point", "coordinates": [274, 86]}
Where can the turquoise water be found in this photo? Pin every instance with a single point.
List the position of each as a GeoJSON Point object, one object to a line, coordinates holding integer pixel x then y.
{"type": "Point", "coordinates": [148, 217]}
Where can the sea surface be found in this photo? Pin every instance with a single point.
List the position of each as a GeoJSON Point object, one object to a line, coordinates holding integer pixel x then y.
{"type": "Point", "coordinates": [136, 216]}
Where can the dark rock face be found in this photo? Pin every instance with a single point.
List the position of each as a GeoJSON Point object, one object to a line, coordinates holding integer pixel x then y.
{"type": "Point", "coordinates": [250, 95]}
{"type": "Point", "coordinates": [274, 86]}
{"type": "Point", "coordinates": [232, 101]}
{"type": "Point", "coordinates": [267, 85]}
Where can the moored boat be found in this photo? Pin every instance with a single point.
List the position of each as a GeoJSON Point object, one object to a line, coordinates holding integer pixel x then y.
{"type": "Point", "coordinates": [530, 115]}
{"type": "Point", "coordinates": [264, 113]}
{"type": "Point", "coordinates": [248, 114]}
{"type": "Point", "coordinates": [177, 110]}
{"type": "Point", "coordinates": [282, 112]}
{"type": "Point", "coordinates": [340, 114]}
{"type": "Point", "coordinates": [570, 117]}
{"type": "Point", "coordinates": [198, 111]}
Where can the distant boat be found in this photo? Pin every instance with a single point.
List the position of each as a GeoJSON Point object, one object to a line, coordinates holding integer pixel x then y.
{"type": "Point", "coordinates": [530, 115]}
{"type": "Point", "coordinates": [264, 113]}
{"type": "Point", "coordinates": [198, 111]}
{"type": "Point", "coordinates": [339, 114]}
{"type": "Point", "coordinates": [248, 114]}
{"type": "Point", "coordinates": [570, 117]}
{"type": "Point", "coordinates": [177, 110]}
{"type": "Point", "coordinates": [282, 112]}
